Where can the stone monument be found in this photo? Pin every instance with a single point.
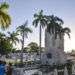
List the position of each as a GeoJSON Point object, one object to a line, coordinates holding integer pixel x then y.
{"type": "Point", "coordinates": [54, 50]}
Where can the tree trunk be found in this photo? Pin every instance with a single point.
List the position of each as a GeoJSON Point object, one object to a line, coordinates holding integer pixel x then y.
{"type": "Point", "coordinates": [40, 41]}
{"type": "Point", "coordinates": [22, 48]}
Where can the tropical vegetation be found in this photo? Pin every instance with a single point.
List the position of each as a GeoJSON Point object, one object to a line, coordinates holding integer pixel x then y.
{"type": "Point", "coordinates": [33, 47]}
{"type": "Point", "coordinates": [5, 19]}
{"type": "Point", "coordinates": [50, 23]}
{"type": "Point", "coordinates": [55, 26]}
{"type": "Point", "coordinates": [23, 30]}
{"type": "Point", "coordinates": [5, 22]}
{"type": "Point", "coordinates": [12, 37]}
{"type": "Point", "coordinates": [39, 20]}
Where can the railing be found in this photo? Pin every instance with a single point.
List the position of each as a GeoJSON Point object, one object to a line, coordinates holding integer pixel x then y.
{"type": "Point", "coordinates": [22, 71]}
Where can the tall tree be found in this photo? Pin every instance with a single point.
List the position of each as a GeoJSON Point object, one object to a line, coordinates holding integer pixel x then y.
{"type": "Point", "coordinates": [39, 19]}
{"type": "Point", "coordinates": [5, 19]}
{"type": "Point", "coordinates": [23, 30]}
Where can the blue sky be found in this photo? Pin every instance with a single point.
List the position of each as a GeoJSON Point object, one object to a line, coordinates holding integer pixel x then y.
{"type": "Point", "coordinates": [22, 10]}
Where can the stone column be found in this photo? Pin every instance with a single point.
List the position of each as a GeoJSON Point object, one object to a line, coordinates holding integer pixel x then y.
{"type": "Point", "coordinates": [54, 48]}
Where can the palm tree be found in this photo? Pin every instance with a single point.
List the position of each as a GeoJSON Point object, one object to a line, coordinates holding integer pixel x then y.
{"type": "Point", "coordinates": [13, 37]}
{"type": "Point", "coordinates": [24, 30]}
{"type": "Point", "coordinates": [39, 19]}
{"type": "Point", "coordinates": [54, 26]}
{"type": "Point", "coordinates": [5, 19]}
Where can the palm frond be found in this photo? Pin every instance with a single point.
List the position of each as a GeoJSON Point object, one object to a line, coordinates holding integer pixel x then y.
{"type": "Point", "coordinates": [5, 20]}
{"type": "Point", "coordinates": [66, 29]}
{"type": "Point", "coordinates": [23, 29]}
{"type": "Point", "coordinates": [35, 15]}
{"type": "Point", "coordinates": [39, 19]}
{"type": "Point", "coordinates": [41, 12]}
{"type": "Point", "coordinates": [26, 23]}
{"type": "Point", "coordinates": [43, 22]}
{"type": "Point", "coordinates": [28, 30]}
{"type": "Point", "coordinates": [35, 22]}
{"type": "Point", "coordinates": [54, 25]}
{"type": "Point", "coordinates": [59, 20]}
{"type": "Point", "coordinates": [13, 37]}
{"type": "Point", "coordinates": [4, 6]}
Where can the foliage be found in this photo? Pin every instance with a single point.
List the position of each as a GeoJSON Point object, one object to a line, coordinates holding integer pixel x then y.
{"type": "Point", "coordinates": [26, 49]}
{"type": "Point", "coordinates": [13, 37]}
{"type": "Point", "coordinates": [54, 26]}
{"type": "Point", "coordinates": [23, 30]}
{"type": "Point", "coordinates": [39, 20]}
{"type": "Point", "coordinates": [53, 23]}
{"type": "Point", "coordinates": [33, 47]}
{"type": "Point", "coordinates": [5, 19]}
{"type": "Point", "coordinates": [62, 31]}
{"type": "Point", "coordinates": [5, 46]}
{"type": "Point", "coordinates": [13, 50]}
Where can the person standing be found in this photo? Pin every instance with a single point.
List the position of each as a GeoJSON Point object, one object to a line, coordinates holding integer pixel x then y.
{"type": "Point", "coordinates": [9, 69]}
{"type": "Point", "coordinates": [2, 68]}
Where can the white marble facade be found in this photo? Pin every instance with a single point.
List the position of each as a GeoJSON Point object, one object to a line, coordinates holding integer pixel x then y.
{"type": "Point", "coordinates": [54, 50]}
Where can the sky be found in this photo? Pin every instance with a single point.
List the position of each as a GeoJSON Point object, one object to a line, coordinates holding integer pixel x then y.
{"type": "Point", "coordinates": [22, 10]}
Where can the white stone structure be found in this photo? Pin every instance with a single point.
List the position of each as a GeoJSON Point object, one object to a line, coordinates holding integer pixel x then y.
{"type": "Point", "coordinates": [54, 50]}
